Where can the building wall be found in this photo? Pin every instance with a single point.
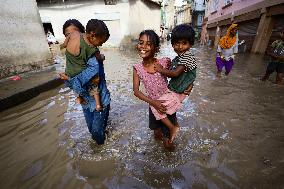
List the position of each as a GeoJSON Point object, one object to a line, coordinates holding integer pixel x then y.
{"type": "Point", "coordinates": [143, 15]}
{"type": "Point", "coordinates": [115, 17]}
{"type": "Point", "coordinates": [170, 14]}
{"type": "Point", "coordinates": [221, 10]}
{"type": "Point", "coordinates": [184, 15]}
{"type": "Point", "coordinates": [123, 19]}
{"type": "Point", "coordinates": [248, 14]}
{"type": "Point", "coordinates": [23, 44]}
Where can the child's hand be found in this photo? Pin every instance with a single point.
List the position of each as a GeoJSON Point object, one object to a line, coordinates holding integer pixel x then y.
{"type": "Point", "coordinates": [63, 76]}
{"type": "Point", "coordinates": [100, 57]}
{"type": "Point", "coordinates": [80, 100]}
{"type": "Point", "coordinates": [188, 90]}
{"type": "Point", "coordinates": [158, 67]}
{"type": "Point", "coordinates": [157, 104]}
{"type": "Point", "coordinates": [98, 107]}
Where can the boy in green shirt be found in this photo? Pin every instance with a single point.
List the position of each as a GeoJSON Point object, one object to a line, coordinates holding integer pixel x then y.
{"type": "Point", "coordinates": [80, 47]}
{"type": "Point", "coordinates": [276, 52]}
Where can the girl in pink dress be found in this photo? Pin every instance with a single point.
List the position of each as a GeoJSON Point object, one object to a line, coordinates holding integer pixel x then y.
{"type": "Point", "coordinates": [155, 85]}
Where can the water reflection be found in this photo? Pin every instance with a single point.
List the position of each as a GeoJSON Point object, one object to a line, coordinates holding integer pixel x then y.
{"type": "Point", "coordinates": [231, 134]}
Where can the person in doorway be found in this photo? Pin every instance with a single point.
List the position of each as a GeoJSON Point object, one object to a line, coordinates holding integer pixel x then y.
{"type": "Point", "coordinates": [83, 66]}
{"type": "Point", "coordinates": [50, 38]}
{"type": "Point", "coordinates": [276, 53]}
{"type": "Point", "coordinates": [226, 50]}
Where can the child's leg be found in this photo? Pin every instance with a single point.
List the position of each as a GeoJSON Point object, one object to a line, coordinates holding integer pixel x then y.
{"type": "Point", "coordinates": [173, 129]}
{"type": "Point", "coordinates": [98, 101]}
{"type": "Point", "coordinates": [279, 77]}
{"type": "Point", "coordinates": [280, 71]}
{"type": "Point", "coordinates": [271, 67]}
{"type": "Point", "coordinates": [80, 100]}
{"type": "Point", "coordinates": [228, 66]}
{"type": "Point", "coordinates": [219, 65]}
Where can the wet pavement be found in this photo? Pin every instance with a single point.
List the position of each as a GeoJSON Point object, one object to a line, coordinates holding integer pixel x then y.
{"type": "Point", "coordinates": [232, 134]}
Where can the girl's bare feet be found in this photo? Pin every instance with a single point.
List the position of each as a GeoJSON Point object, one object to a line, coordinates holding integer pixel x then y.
{"type": "Point", "coordinates": [173, 133]}
{"type": "Point", "coordinates": [168, 145]}
{"type": "Point", "coordinates": [218, 74]}
{"type": "Point", "coordinates": [158, 134]}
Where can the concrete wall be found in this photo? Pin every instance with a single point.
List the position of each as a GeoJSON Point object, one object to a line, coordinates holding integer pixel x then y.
{"type": "Point", "coordinates": [143, 15]}
{"type": "Point", "coordinates": [222, 10]}
{"type": "Point", "coordinates": [23, 44]}
{"type": "Point", "coordinates": [123, 19]}
{"type": "Point", "coordinates": [115, 17]}
{"type": "Point", "coordinates": [170, 14]}
{"type": "Point", "coordinates": [184, 15]}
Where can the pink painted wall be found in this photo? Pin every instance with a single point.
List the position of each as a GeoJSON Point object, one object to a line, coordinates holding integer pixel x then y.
{"type": "Point", "coordinates": [236, 5]}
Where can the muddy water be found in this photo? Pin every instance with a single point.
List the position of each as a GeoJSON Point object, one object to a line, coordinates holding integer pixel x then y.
{"type": "Point", "coordinates": [232, 134]}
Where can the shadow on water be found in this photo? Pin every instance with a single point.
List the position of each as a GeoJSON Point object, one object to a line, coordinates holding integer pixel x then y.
{"type": "Point", "coordinates": [231, 134]}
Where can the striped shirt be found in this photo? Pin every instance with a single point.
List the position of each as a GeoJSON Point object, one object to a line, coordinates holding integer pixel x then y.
{"type": "Point", "coordinates": [188, 60]}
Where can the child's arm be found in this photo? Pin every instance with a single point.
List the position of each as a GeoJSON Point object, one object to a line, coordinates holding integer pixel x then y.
{"type": "Point", "coordinates": [157, 104]}
{"type": "Point", "coordinates": [85, 76]}
{"type": "Point", "coordinates": [98, 102]}
{"type": "Point", "coordinates": [188, 90]}
{"type": "Point", "coordinates": [64, 44]}
{"type": "Point", "coordinates": [169, 73]}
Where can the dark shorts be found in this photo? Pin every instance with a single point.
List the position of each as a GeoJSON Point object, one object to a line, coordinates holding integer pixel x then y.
{"type": "Point", "coordinates": [155, 124]}
{"type": "Point", "coordinates": [275, 66]}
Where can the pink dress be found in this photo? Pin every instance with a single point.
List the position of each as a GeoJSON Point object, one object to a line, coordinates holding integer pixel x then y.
{"type": "Point", "coordinates": [156, 86]}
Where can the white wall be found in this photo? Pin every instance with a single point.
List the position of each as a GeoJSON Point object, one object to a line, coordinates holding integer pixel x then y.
{"type": "Point", "coordinates": [143, 16]}
{"type": "Point", "coordinates": [23, 44]}
{"type": "Point", "coordinates": [116, 16]}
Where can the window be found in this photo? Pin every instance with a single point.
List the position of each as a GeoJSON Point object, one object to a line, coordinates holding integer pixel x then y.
{"type": "Point", "coordinates": [110, 2]}
{"type": "Point", "coordinates": [227, 2]}
{"type": "Point", "coordinates": [214, 5]}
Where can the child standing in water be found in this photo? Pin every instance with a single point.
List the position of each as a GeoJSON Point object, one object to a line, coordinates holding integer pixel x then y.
{"type": "Point", "coordinates": [156, 85]}
{"type": "Point", "coordinates": [73, 30]}
{"type": "Point", "coordinates": [226, 50]}
{"type": "Point", "coordinates": [182, 73]}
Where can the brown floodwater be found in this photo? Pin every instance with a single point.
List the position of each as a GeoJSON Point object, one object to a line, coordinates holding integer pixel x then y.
{"type": "Point", "coordinates": [232, 134]}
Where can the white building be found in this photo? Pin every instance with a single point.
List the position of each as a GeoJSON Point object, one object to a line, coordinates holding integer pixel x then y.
{"type": "Point", "coordinates": [123, 17]}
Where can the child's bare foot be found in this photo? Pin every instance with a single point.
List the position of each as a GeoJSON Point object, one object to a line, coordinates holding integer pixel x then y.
{"type": "Point", "coordinates": [63, 76]}
{"type": "Point", "coordinates": [168, 145]}
{"type": "Point", "coordinates": [158, 134]}
{"type": "Point", "coordinates": [80, 100]}
{"type": "Point", "coordinates": [173, 133]}
{"type": "Point", "coordinates": [218, 74]}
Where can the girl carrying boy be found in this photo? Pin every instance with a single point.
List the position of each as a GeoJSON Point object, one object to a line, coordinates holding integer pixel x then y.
{"type": "Point", "coordinates": [156, 85]}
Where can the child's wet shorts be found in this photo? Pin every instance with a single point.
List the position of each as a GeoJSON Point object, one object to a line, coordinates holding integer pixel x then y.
{"type": "Point", "coordinates": [155, 124]}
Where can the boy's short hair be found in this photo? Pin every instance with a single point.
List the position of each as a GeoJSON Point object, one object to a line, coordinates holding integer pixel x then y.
{"type": "Point", "coordinates": [183, 32]}
{"type": "Point", "coordinates": [98, 27]}
{"type": "Point", "coordinates": [75, 23]}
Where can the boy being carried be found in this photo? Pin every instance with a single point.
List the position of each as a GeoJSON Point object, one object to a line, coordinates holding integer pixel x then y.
{"type": "Point", "coordinates": [80, 47]}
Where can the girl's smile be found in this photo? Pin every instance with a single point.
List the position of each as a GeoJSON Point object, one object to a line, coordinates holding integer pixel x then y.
{"type": "Point", "coordinates": [145, 48]}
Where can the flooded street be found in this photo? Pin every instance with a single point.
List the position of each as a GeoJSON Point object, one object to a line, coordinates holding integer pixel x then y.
{"type": "Point", "coordinates": [232, 134]}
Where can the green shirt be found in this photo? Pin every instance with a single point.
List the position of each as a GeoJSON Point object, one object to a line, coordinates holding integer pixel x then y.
{"type": "Point", "coordinates": [180, 84]}
{"type": "Point", "coordinates": [76, 64]}
{"type": "Point", "coordinates": [278, 49]}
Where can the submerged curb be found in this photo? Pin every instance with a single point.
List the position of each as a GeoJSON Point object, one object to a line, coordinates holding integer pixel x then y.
{"type": "Point", "coordinates": [28, 94]}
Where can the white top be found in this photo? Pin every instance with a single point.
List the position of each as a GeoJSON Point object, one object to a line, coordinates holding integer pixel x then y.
{"type": "Point", "coordinates": [227, 53]}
